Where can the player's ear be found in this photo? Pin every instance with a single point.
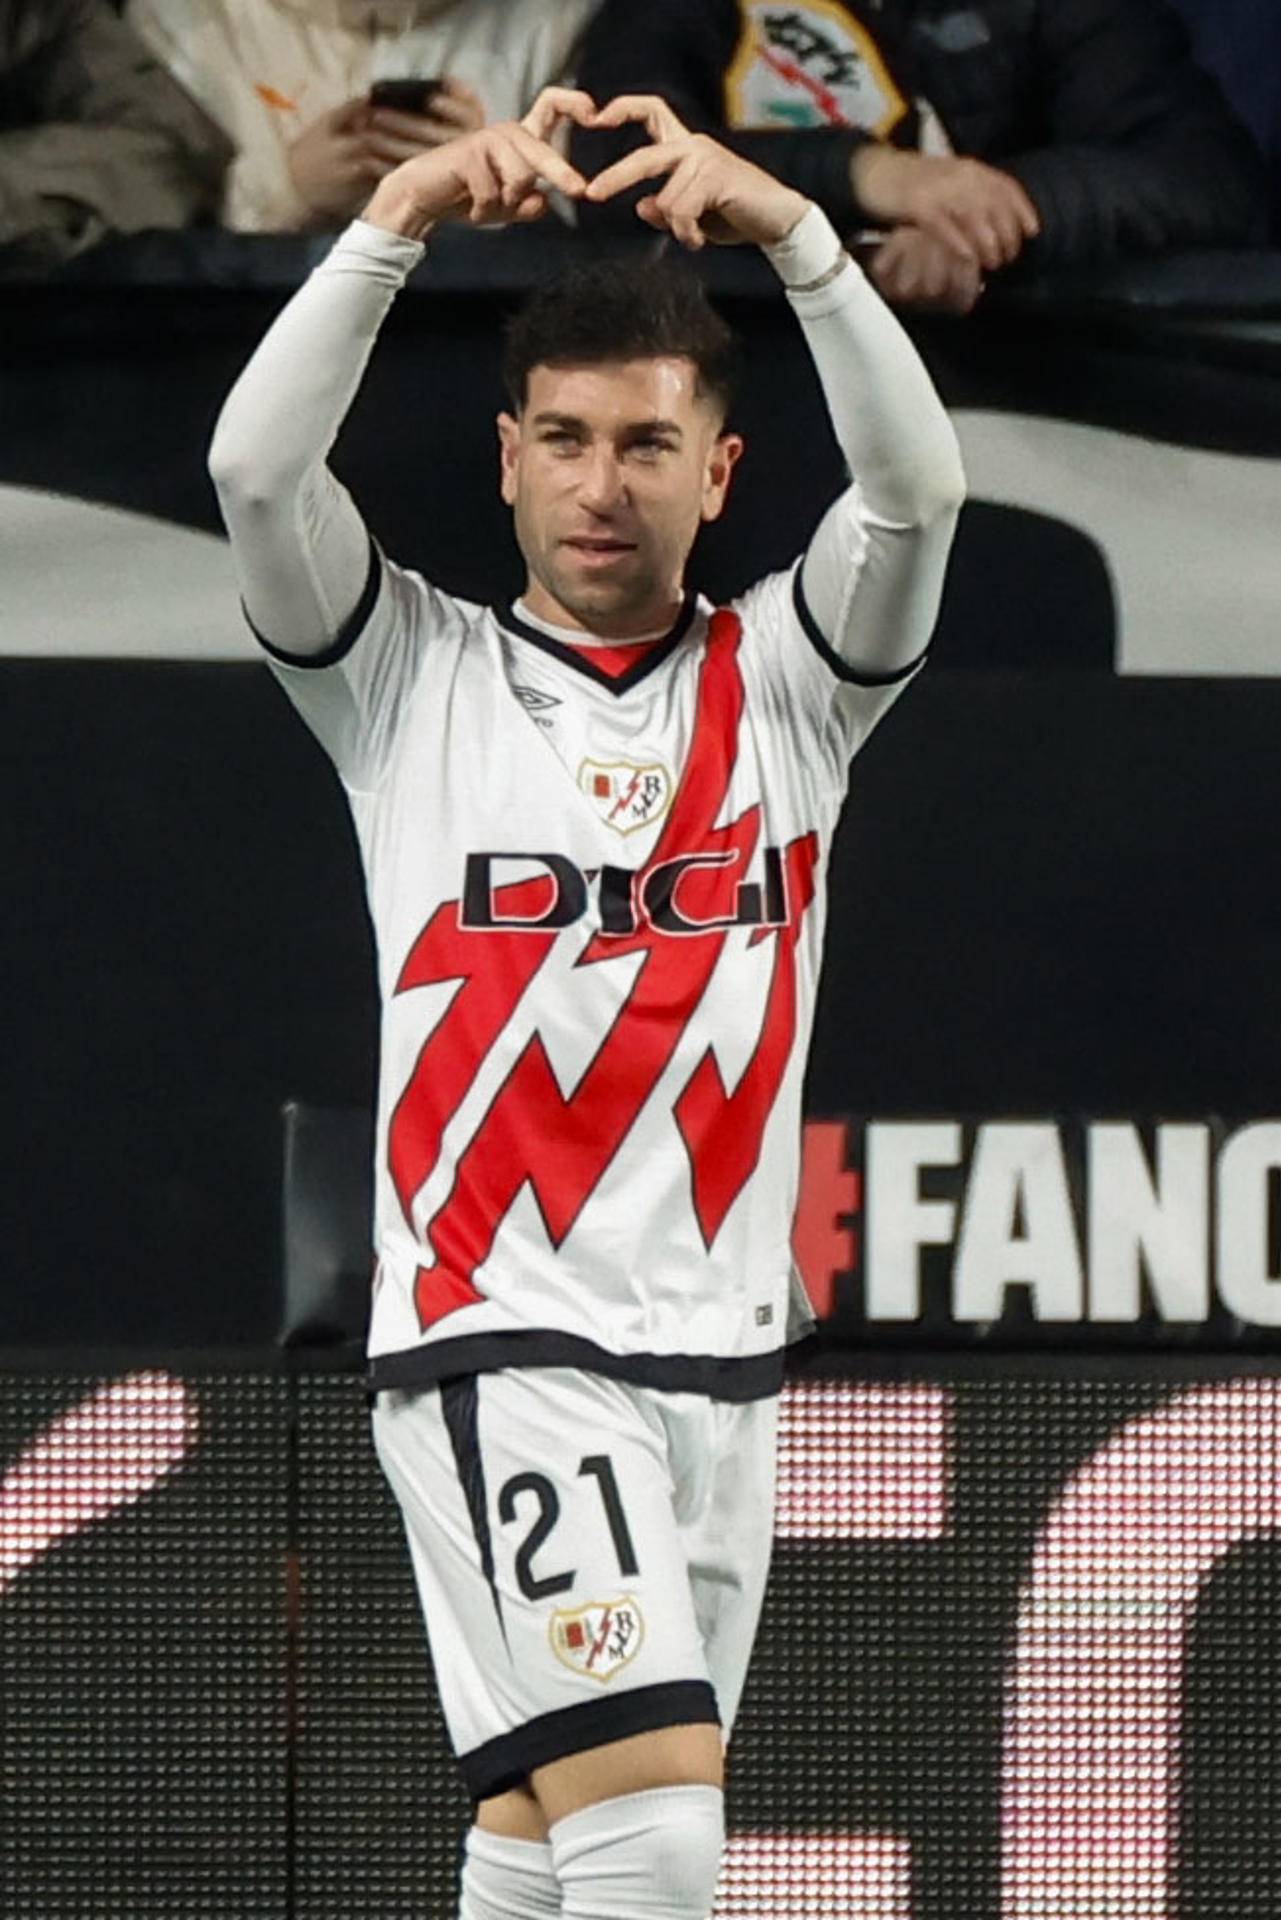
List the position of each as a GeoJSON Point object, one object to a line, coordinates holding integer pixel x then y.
{"type": "Point", "coordinates": [722, 459]}
{"type": "Point", "coordinates": [508, 454]}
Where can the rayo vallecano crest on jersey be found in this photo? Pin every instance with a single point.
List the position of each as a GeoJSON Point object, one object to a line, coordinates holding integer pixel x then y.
{"type": "Point", "coordinates": [813, 64]}
{"type": "Point", "coordinates": [600, 1638]}
{"type": "Point", "coordinates": [625, 793]}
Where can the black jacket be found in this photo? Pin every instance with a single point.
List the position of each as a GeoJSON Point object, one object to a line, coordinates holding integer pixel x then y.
{"type": "Point", "coordinates": [1124, 144]}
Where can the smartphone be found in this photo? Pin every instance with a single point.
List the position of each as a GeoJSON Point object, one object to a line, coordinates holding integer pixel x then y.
{"type": "Point", "coordinates": [406, 96]}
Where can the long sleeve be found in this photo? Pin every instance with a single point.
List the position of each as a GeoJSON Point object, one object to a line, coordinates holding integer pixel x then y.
{"type": "Point", "coordinates": [300, 546]}
{"type": "Point", "coordinates": [872, 576]}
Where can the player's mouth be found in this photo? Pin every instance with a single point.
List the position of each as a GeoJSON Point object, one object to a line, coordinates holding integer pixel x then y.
{"type": "Point", "coordinates": [598, 549]}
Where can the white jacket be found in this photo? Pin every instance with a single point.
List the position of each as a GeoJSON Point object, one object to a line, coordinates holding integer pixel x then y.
{"type": "Point", "coordinates": [264, 70]}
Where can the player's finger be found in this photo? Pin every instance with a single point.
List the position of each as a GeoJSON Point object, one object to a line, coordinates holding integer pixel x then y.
{"type": "Point", "coordinates": [648, 110]}
{"type": "Point", "coordinates": [532, 207]}
{"type": "Point", "coordinates": [544, 161]}
{"type": "Point", "coordinates": [647, 163]}
{"type": "Point", "coordinates": [484, 189]}
{"type": "Point", "coordinates": [516, 180]}
{"type": "Point", "coordinates": [555, 104]}
{"type": "Point", "coordinates": [683, 202]}
{"type": "Point", "coordinates": [683, 225]}
{"type": "Point", "coordinates": [650, 212]}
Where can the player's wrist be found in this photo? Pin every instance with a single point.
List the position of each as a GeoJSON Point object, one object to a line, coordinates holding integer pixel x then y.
{"type": "Point", "coordinates": [397, 209]}
{"type": "Point", "coordinates": [781, 218]}
{"type": "Point", "coordinates": [810, 254]}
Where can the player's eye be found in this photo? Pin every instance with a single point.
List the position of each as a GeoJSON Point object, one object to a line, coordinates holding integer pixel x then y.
{"type": "Point", "coordinates": [653, 444]}
{"type": "Point", "coordinates": [561, 440]}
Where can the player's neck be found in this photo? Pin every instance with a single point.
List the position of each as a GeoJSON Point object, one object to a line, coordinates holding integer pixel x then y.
{"type": "Point", "coordinates": [652, 623]}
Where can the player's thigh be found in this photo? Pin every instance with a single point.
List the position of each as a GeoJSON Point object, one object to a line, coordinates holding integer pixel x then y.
{"type": "Point", "coordinates": [515, 1813]}
{"type": "Point", "coordinates": [665, 1757]}
{"type": "Point", "coordinates": [727, 1530]}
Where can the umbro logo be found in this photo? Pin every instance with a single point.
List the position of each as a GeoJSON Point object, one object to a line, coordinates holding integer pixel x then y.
{"type": "Point", "coordinates": [535, 701]}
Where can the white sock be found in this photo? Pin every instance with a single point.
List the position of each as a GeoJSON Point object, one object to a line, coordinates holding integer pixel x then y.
{"type": "Point", "coordinates": [506, 1879]}
{"type": "Point", "coordinates": [642, 1856]}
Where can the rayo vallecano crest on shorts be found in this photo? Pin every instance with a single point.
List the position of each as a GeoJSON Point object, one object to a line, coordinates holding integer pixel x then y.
{"type": "Point", "coordinates": [600, 1638]}
{"type": "Point", "coordinates": [810, 65]}
{"type": "Point", "coordinates": [626, 795]}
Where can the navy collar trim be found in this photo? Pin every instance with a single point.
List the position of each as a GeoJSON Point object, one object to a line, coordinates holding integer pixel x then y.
{"type": "Point", "coordinates": [652, 657]}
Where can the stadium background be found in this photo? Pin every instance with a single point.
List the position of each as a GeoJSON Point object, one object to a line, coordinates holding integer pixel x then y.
{"type": "Point", "coordinates": [1019, 1656]}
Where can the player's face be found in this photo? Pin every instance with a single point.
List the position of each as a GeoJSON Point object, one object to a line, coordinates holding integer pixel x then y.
{"type": "Point", "coordinates": [611, 470]}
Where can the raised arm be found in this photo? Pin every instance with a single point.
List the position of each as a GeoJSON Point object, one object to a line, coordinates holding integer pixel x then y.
{"type": "Point", "coordinates": [872, 576]}
{"type": "Point", "coordinates": [302, 552]}
{"type": "Point", "coordinates": [301, 549]}
{"type": "Point", "coordinates": [873, 573]}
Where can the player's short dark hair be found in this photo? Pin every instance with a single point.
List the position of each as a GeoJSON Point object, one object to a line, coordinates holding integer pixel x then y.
{"type": "Point", "coordinates": [621, 309]}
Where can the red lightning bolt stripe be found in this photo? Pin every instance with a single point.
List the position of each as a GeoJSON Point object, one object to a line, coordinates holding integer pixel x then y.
{"type": "Point", "coordinates": [477, 1015]}
{"type": "Point", "coordinates": [723, 1132]}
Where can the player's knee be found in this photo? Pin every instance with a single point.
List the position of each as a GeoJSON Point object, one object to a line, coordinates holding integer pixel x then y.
{"type": "Point", "coordinates": [507, 1879]}
{"type": "Point", "coordinates": [642, 1855]}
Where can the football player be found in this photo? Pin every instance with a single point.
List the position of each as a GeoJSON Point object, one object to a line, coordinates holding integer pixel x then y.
{"type": "Point", "coordinates": [594, 826]}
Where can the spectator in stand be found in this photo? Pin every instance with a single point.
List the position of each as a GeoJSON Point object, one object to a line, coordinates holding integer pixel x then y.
{"type": "Point", "coordinates": [289, 82]}
{"type": "Point", "coordinates": [1240, 43]}
{"type": "Point", "coordinates": [967, 133]}
{"type": "Point", "coordinates": [95, 137]}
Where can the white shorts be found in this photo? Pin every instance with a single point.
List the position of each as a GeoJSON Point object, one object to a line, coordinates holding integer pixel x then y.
{"type": "Point", "coordinates": [590, 1556]}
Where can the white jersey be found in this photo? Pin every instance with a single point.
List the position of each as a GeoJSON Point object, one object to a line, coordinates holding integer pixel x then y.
{"type": "Point", "coordinates": [598, 906]}
{"type": "Point", "coordinates": [598, 902]}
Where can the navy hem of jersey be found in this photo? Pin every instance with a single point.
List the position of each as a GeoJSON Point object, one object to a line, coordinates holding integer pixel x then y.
{"type": "Point", "coordinates": [753, 1376]}
{"type": "Point", "coordinates": [858, 676]}
{"type": "Point", "coordinates": [510, 1758]}
{"type": "Point", "coordinates": [348, 634]}
{"type": "Point", "coordinates": [653, 656]}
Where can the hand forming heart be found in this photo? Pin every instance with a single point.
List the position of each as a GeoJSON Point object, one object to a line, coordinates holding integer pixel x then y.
{"type": "Point", "coordinates": [504, 173]}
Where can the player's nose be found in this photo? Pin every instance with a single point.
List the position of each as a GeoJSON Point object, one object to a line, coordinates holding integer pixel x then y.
{"type": "Point", "coordinates": [600, 480]}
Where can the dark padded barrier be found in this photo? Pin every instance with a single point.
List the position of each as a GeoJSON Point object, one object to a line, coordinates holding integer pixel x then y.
{"type": "Point", "coordinates": [326, 1228]}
